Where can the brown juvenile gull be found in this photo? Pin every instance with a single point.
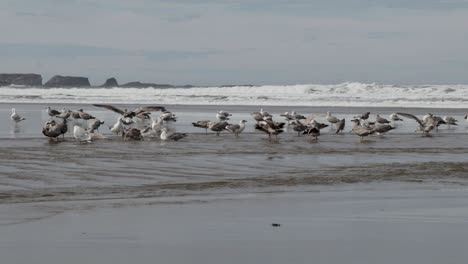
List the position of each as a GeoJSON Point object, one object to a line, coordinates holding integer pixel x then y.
{"type": "Point", "coordinates": [270, 128]}
{"type": "Point", "coordinates": [53, 129]}
{"type": "Point", "coordinates": [203, 124]}
{"type": "Point", "coordinates": [217, 126]}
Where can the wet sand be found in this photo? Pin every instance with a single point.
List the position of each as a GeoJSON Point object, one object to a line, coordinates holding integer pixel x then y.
{"type": "Point", "coordinates": [182, 201]}
{"type": "Point", "coordinates": [365, 223]}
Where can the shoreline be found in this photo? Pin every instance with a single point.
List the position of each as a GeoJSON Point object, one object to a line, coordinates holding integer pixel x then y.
{"type": "Point", "coordinates": [252, 108]}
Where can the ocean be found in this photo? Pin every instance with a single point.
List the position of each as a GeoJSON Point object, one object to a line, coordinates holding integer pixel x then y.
{"type": "Point", "coordinates": [345, 94]}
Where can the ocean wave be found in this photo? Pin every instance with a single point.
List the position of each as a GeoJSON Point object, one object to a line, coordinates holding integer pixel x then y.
{"type": "Point", "coordinates": [344, 94]}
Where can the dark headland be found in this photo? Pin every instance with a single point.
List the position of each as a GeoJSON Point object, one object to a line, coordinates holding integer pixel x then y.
{"type": "Point", "coordinates": [35, 80]}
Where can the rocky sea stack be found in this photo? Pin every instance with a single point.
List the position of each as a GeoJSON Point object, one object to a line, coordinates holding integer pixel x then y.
{"type": "Point", "coordinates": [67, 81]}
{"type": "Point", "coordinates": [111, 82]}
{"type": "Point", "coordinates": [27, 79]}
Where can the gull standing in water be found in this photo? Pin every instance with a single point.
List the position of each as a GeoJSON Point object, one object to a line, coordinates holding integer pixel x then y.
{"type": "Point", "coordinates": [53, 129]}
{"type": "Point", "coordinates": [118, 127]}
{"type": "Point", "coordinates": [381, 129]}
{"type": "Point", "coordinates": [15, 117]}
{"type": "Point", "coordinates": [298, 126]}
{"type": "Point", "coordinates": [364, 116]}
{"type": "Point", "coordinates": [361, 131]}
{"type": "Point", "coordinates": [81, 134]}
{"type": "Point", "coordinates": [270, 127]}
{"type": "Point", "coordinates": [287, 116]}
{"type": "Point", "coordinates": [217, 126]}
{"type": "Point", "coordinates": [203, 124]}
{"type": "Point", "coordinates": [395, 117]}
{"type": "Point", "coordinates": [223, 115]}
{"type": "Point", "coordinates": [52, 112]}
{"type": "Point", "coordinates": [95, 124]}
{"type": "Point", "coordinates": [340, 126]}
{"type": "Point", "coordinates": [381, 120]}
{"type": "Point", "coordinates": [236, 129]}
{"type": "Point", "coordinates": [450, 120]}
{"type": "Point", "coordinates": [170, 134]}
{"type": "Point", "coordinates": [332, 119]}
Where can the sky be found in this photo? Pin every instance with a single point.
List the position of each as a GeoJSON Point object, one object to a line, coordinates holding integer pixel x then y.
{"type": "Point", "coordinates": [208, 42]}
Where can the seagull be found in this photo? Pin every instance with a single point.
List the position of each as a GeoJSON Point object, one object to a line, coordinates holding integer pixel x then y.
{"type": "Point", "coordinates": [287, 116]}
{"type": "Point", "coordinates": [170, 134]}
{"type": "Point", "coordinates": [271, 128]}
{"type": "Point", "coordinates": [360, 130]}
{"type": "Point", "coordinates": [340, 126]}
{"type": "Point", "coordinates": [133, 133]}
{"type": "Point", "coordinates": [313, 132]}
{"type": "Point", "coordinates": [84, 115]}
{"type": "Point", "coordinates": [364, 116]}
{"type": "Point", "coordinates": [15, 117]}
{"type": "Point", "coordinates": [75, 115]}
{"type": "Point", "coordinates": [52, 112]}
{"type": "Point", "coordinates": [95, 124]}
{"type": "Point", "coordinates": [297, 116]}
{"type": "Point", "coordinates": [81, 134]}
{"type": "Point", "coordinates": [332, 119]}
{"type": "Point", "coordinates": [258, 116]}
{"type": "Point", "coordinates": [133, 113]}
{"type": "Point", "coordinates": [118, 127]}
{"type": "Point", "coordinates": [65, 114]}
{"type": "Point", "coordinates": [236, 129]}
{"type": "Point", "coordinates": [217, 126]}
{"type": "Point", "coordinates": [395, 117]}
{"type": "Point", "coordinates": [317, 124]}
{"type": "Point", "coordinates": [223, 115]}
{"type": "Point", "coordinates": [450, 120]}
{"type": "Point", "coordinates": [425, 126]}
{"type": "Point", "coordinates": [167, 116]}
{"type": "Point", "coordinates": [381, 120]}
{"type": "Point", "coordinates": [203, 124]}
{"type": "Point", "coordinates": [383, 128]}
{"type": "Point", "coordinates": [299, 127]}
{"type": "Point", "coordinates": [53, 129]}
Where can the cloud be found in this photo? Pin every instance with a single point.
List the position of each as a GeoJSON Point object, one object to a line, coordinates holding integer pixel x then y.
{"type": "Point", "coordinates": [255, 41]}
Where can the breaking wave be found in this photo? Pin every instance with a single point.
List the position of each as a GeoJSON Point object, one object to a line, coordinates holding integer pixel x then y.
{"type": "Point", "coordinates": [345, 94]}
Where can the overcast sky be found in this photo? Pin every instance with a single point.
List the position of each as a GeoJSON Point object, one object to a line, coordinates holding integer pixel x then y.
{"type": "Point", "coordinates": [210, 42]}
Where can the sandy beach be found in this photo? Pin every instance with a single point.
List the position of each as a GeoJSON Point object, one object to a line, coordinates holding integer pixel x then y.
{"type": "Point", "coordinates": [364, 223]}
{"type": "Point", "coordinates": [399, 198]}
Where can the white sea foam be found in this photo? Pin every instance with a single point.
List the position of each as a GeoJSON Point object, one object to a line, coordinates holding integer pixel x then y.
{"type": "Point", "coordinates": [345, 94]}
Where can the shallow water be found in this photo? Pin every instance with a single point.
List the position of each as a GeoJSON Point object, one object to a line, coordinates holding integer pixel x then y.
{"type": "Point", "coordinates": [32, 168]}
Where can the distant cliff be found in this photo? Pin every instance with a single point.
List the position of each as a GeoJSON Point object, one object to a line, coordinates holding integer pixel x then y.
{"type": "Point", "coordinates": [59, 81]}
{"type": "Point", "coordinates": [111, 82]}
{"type": "Point", "coordinates": [27, 79]}
{"type": "Point", "coordinates": [67, 81]}
{"type": "Point", "coordinates": [145, 85]}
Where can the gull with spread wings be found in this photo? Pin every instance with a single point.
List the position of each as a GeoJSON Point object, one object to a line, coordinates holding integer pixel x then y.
{"type": "Point", "coordinates": [426, 125]}
{"type": "Point", "coordinates": [130, 114]}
